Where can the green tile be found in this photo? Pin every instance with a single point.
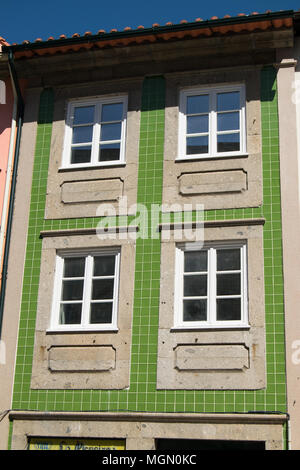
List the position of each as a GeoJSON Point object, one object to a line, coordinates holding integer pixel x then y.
{"type": "Point", "coordinates": [142, 392]}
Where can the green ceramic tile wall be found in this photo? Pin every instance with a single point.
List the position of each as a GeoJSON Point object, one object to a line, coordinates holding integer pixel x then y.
{"type": "Point", "coordinates": [142, 394]}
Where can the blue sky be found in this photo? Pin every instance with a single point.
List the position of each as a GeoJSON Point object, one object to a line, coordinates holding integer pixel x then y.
{"type": "Point", "coordinates": [21, 20]}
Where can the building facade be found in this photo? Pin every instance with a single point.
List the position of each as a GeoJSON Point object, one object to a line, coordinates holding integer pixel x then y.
{"type": "Point", "coordinates": [152, 293]}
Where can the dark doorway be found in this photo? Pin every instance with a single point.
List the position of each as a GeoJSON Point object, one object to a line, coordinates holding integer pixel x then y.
{"type": "Point", "coordinates": [197, 444]}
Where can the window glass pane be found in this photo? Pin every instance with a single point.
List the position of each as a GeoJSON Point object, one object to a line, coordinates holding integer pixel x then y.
{"type": "Point", "coordinates": [195, 261]}
{"type": "Point", "coordinates": [229, 284]}
{"type": "Point", "coordinates": [72, 290]}
{"type": "Point", "coordinates": [194, 310]}
{"type": "Point", "coordinates": [110, 131]}
{"type": "Point", "coordinates": [229, 142]}
{"type": "Point", "coordinates": [228, 309]}
{"type": "Point", "coordinates": [103, 289]}
{"type": "Point", "coordinates": [228, 101]}
{"type": "Point", "coordinates": [74, 267]}
{"type": "Point", "coordinates": [197, 145]}
{"type": "Point", "coordinates": [82, 134]}
{"type": "Point", "coordinates": [195, 286]}
{"type": "Point", "coordinates": [229, 259]}
{"type": "Point", "coordinates": [84, 115]}
{"type": "Point", "coordinates": [228, 121]}
{"type": "Point", "coordinates": [81, 154]}
{"type": "Point", "coordinates": [197, 104]}
{"type": "Point", "coordinates": [104, 265]}
{"type": "Point", "coordinates": [112, 112]}
{"type": "Point", "coordinates": [70, 314]}
{"type": "Point", "coordinates": [109, 152]}
{"type": "Point", "coordinates": [197, 124]}
{"type": "Point", "coordinates": [101, 312]}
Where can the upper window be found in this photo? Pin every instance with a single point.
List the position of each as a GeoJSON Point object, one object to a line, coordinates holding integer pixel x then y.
{"type": "Point", "coordinates": [211, 286]}
{"type": "Point", "coordinates": [95, 132]}
{"type": "Point", "coordinates": [212, 122]}
{"type": "Point", "coordinates": [86, 291]}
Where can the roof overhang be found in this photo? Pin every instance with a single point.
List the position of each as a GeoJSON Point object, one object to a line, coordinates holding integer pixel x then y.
{"type": "Point", "coordinates": [158, 34]}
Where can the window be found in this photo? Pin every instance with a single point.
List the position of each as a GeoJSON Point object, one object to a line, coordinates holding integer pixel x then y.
{"type": "Point", "coordinates": [86, 291]}
{"type": "Point", "coordinates": [211, 286]}
{"type": "Point", "coordinates": [212, 122]}
{"type": "Point", "coordinates": [95, 132]}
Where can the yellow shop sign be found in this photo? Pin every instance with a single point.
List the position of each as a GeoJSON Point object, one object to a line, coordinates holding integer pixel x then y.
{"type": "Point", "coordinates": [54, 443]}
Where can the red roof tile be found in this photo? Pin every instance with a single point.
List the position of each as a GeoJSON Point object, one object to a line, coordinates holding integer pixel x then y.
{"type": "Point", "coordinates": [228, 24]}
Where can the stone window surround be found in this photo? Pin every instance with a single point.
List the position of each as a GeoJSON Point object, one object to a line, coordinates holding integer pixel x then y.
{"type": "Point", "coordinates": [176, 345]}
{"type": "Point", "coordinates": [82, 359]}
{"type": "Point", "coordinates": [78, 192]}
{"type": "Point", "coordinates": [217, 182]}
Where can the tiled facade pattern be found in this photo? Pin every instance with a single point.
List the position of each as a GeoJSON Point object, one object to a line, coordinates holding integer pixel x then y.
{"type": "Point", "coordinates": [142, 394]}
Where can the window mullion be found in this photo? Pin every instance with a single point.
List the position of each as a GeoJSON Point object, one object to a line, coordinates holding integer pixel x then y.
{"type": "Point", "coordinates": [116, 290]}
{"type": "Point", "coordinates": [87, 291]}
{"type": "Point", "coordinates": [96, 135]}
{"type": "Point", "coordinates": [244, 290]}
{"type": "Point", "coordinates": [178, 297]}
{"type": "Point", "coordinates": [123, 129]}
{"type": "Point", "coordinates": [213, 285]}
{"type": "Point", "coordinates": [213, 130]}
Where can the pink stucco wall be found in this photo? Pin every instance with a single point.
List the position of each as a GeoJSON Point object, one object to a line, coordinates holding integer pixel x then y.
{"type": "Point", "coordinates": [5, 129]}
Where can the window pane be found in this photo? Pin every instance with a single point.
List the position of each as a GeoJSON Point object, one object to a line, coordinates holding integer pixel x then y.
{"type": "Point", "coordinates": [229, 284]}
{"type": "Point", "coordinates": [101, 313]}
{"type": "Point", "coordinates": [229, 142]}
{"type": "Point", "coordinates": [197, 124]}
{"type": "Point", "coordinates": [194, 310]}
{"type": "Point", "coordinates": [197, 145]}
{"type": "Point", "coordinates": [195, 261]}
{"type": "Point", "coordinates": [81, 155]}
{"type": "Point", "coordinates": [74, 267]}
{"type": "Point", "coordinates": [82, 134]}
{"type": "Point", "coordinates": [195, 286]}
{"type": "Point", "coordinates": [84, 115]}
{"type": "Point", "coordinates": [228, 309]}
{"type": "Point", "coordinates": [228, 121]}
{"type": "Point", "coordinates": [103, 289]}
{"type": "Point", "coordinates": [70, 314]}
{"type": "Point", "coordinates": [228, 101]}
{"type": "Point", "coordinates": [72, 290]}
{"type": "Point", "coordinates": [229, 260]}
{"type": "Point", "coordinates": [112, 112]}
{"type": "Point", "coordinates": [104, 265]}
{"type": "Point", "coordinates": [110, 131]}
{"type": "Point", "coordinates": [197, 104]}
{"type": "Point", "coordinates": [109, 152]}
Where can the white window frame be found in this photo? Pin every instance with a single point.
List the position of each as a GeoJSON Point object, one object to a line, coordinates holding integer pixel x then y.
{"type": "Point", "coordinates": [211, 322]}
{"type": "Point", "coordinates": [87, 290]}
{"type": "Point", "coordinates": [97, 102]}
{"type": "Point", "coordinates": [212, 91]}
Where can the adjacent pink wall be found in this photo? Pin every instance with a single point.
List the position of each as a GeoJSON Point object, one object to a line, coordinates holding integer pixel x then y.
{"type": "Point", "coordinates": [5, 129]}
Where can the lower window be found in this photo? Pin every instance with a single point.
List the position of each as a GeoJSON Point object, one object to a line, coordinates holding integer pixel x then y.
{"type": "Point", "coordinates": [86, 290]}
{"type": "Point", "coordinates": [211, 286]}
